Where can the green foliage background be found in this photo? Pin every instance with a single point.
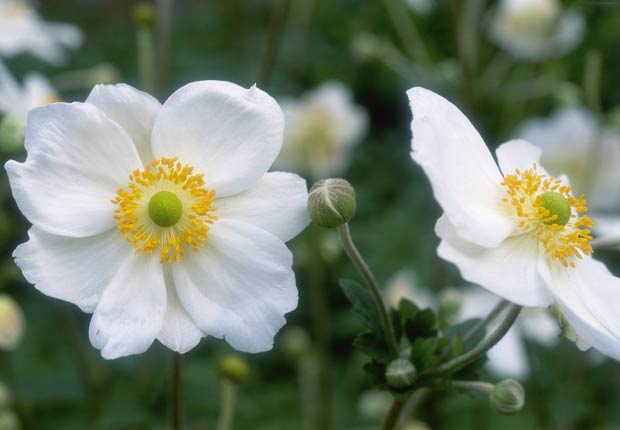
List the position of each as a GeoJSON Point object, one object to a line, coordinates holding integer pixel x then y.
{"type": "Point", "coordinates": [59, 380]}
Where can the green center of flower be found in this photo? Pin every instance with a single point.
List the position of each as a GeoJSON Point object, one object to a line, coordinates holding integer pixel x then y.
{"type": "Point", "coordinates": [165, 208]}
{"type": "Point", "coordinates": [557, 205]}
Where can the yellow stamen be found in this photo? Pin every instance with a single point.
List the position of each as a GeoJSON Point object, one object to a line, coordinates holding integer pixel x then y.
{"type": "Point", "coordinates": [191, 229]}
{"type": "Point", "coordinates": [562, 240]}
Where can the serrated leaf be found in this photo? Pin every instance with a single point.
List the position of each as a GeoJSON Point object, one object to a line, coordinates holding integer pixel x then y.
{"type": "Point", "coordinates": [364, 306]}
{"type": "Point", "coordinates": [376, 372]}
{"type": "Point", "coordinates": [421, 324]}
{"type": "Point", "coordinates": [426, 351]}
{"type": "Point", "coordinates": [373, 346]}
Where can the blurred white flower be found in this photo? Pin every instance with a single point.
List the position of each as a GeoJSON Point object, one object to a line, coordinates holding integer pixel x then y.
{"type": "Point", "coordinates": [16, 100]}
{"type": "Point", "coordinates": [23, 30]}
{"type": "Point", "coordinates": [574, 144]}
{"type": "Point", "coordinates": [536, 29]}
{"type": "Point", "coordinates": [321, 128]}
{"type": "Point", "coordinates": [509, 226]}
{"type": "Point", "coordinates": [508, 357]}
{"type": "Point", "coordinates": [12, 323]}
{"type": "Point", "coordinates": [162, 220]}
{"type": "Point", "coordinates": [422, 7]}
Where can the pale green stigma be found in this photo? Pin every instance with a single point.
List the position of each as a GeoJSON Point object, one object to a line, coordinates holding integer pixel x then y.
{"type": "Point", "coordinates": [165, 208]}
{"type": "Point", "coordinates": [557, 205]}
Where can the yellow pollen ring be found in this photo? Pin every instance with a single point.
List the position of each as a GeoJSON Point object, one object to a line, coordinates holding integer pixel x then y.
{"type": "Point", "coordinates": [546, 209]}
{"type": "Point", "coordinates": [165, 208]}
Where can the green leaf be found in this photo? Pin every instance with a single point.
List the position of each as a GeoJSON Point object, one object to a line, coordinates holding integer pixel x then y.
{"type": "Point", "coordinates": [364, 306]}
{"type": "Point", "coordinates": [417, 323]}
{"type": "Point", "coordinates": [459, 330]}
{"type": "Point", "coordinates": [376, 372]}
{"type": "Point", "coordinates": [373, 346]}
{"type": "Point", "coordinates": [425, 352]}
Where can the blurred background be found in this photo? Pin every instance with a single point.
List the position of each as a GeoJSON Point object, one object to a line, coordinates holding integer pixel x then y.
{"type": "Point", "coordinates": [545, 70]}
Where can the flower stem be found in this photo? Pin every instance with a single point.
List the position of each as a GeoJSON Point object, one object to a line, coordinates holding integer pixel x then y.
{"type": "Point", "coordinates": [278, 20]}
{"type": "Point", "coordinates": [176, 391]}
{"type": "Point", "coordinates": [228, 392]}
{"type": "Point", "coordinates": [371, 283]}
{"type": "Point", "coordinates": [163, 43]}
{"type": "Point", "coordinates": [146, 58]}
{"type": "Point", "coordinates": [472, 355]}
{"type": "Point", "coordinates": [484, 387]}
{"type": "Point", "coordinates": [408, 32]}
{"type": "Point", "coordinates": [389, 423]}
{"type": "Point", "coordinates": [469, 335]}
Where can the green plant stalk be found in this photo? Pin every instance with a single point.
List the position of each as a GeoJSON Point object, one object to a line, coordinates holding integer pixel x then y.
{"type": "Point", "coordinates": [472, 355]}
{"type": "Point", "coordinates": [228, 392]}
{"type": "Point", "coordinates": [390, 420]}
{"type": "Point", "coordinates": [371, 283]}
{"type": "Point", "coordinates": [146, 58]}
{"type": "Point", "coordinates": [501, 305]}
{"type": "Point", "coordinates": [176, 391]}
{"type": "Point", "coordinates": [408, 32]}
{"type": "Point", "coordinates": [484, 387]}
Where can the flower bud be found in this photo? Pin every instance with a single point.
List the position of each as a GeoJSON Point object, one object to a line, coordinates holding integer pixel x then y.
{"type": "Point", "coordinates": [103, 73]}
{"type": "Point", "coordinates": [12, 133]}
{"type": "Point", "coordinates": [11, 323]}
{"type": "Point", "coordinates": [400, 373]}
{"type": "Point", "coordinates": [6, 398]}
{"type": "Point", "coordinates": [9, 420]}
{"type": "Point", "coordinates": [295, 342]}
{"type": "Point", "coordinates": [450, 302]}
{"type": "Point", "coordinates": [144, 14]}
{"type": "Point", "coordinates": [507, 397]}
{"type": "Point", "coordinates": [331, 202]}
{"type": "Point", "coordinates": [233, 368]}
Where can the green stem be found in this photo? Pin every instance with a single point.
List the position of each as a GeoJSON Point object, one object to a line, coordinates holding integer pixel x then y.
{"type": "Point", "coordinates": [176, 391]}
{"type": "Point", "coordinates": [408, 32]}
{"type": "Point", "coordinates": [501, 305]}
{"type": "Point", "coordinates": [592, 80]}
{"type": "Point", "coordinates": [484, 387]}
{"type": "Point", "coordinates": [371, 283]}
{"type": "Point", "coordinates": [146, 58]}
{"type": "Point", "coordinates": [411, 405]}
{"type": "Point", "coordinates": [228, 392]}
{"type": "Point", "coordinates": [389, 423]}
{"type": "Point", "coordinates": [163, 46]}
{"type": "Point", "coordinates": [469, 357]}
{"type": "Point", "coordinates": [273, 42]}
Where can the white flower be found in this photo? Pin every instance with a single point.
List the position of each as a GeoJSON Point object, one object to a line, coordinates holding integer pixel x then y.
{"type": "Point", "coordinates": [16, 100]}
{"type": "Point", "coordinates": [517, 232]}
{"type": "Point", "coordinates": [422, 7]}
{"type": "Point", "coordinates": [12, 323]}
{"type": "Point", "coordinates": [321, 129]}
{"type": "Point", "coordinates": [536, 29]}
{"type": "Point", "coordinates": [162, 220]}
{"type": "Point", "coordinates": [23, 30]}
{"type": "Point", "coordinates": [573, 143]}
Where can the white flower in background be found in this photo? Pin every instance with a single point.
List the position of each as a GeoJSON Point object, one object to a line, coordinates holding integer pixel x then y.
{"type": "Point", "coordinates": [17, 100]}
{"type": "Point", "coordinates": [508, 357]}
{"type": "Point", "coordinates": [11, 323]}
{"type": "Point", "coordinates": [321, 129]}
{"type": "Point", "coordinates": [162, 220]}
{"type": "Point", "coordinates": [574, 143]}
{"type": "Point", "coordinates": [23, 30]}
{"type": "Point", "coordinates": [536, 29]}
{"type": "Point", "coordinates": [518, 232]}
{"type": "Point", "coordinates": [422, 7]}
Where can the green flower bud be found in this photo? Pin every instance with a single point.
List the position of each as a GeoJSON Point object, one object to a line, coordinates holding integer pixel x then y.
{"type": "Point", "coordinates": [103, 73]}
{"type": "Point", "coordinates": [144, 14]}
{"type": "Point", "coordinates": [331, 202]}
{"type": "Point", "coordinates": [507, 397]}
{"type": "Point", "coordinates": [400, 373]}
{"type": "Point", "coordinates": [9, 420]}
{"type": "Point", "coordinates": [12, 133]}
{"type": "Point", "coordinates": [6, 398]}
{"type": "Point", "coordinates": [233, 368]}
{"type": "Point", "coordinates": [415, 425]}
{"type": "Point", "coordinates": [295, 342]}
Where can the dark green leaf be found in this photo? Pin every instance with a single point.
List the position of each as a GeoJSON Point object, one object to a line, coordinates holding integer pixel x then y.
{"type": "Point", "coordinates": [364, 306]}
{"type": "Point", "coordinates": [373, 346]}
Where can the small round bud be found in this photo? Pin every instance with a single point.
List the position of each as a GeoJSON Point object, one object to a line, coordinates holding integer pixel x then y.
{"type": "Point", "coordinates": [295, 342]}
{"type": "Point", "coordinates": [103, 73]}
{"type": "Point", "coordinates": [331, 202]}
{"type": "Point", "coordinates": [11, 323]}
{"type": "Point", "coordinates": [374, 404]}
{"type": "Point", "coordinates": [144, 14]}
{"type": "Point", "coordinates": [12, 133]}
{"type": "Point", "coordinates": [233, 368]}
{"type": "Point", "coordinates": [400, 373]}
{"type": "Point", "coordinates": [9, 420]}
{"type": "Point", "coordinates": [507, 397]}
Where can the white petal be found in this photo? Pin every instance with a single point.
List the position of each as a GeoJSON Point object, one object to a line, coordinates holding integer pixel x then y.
{"type": "Point", "coordinates": [464, 177]}
{"type": "Point", "coordinates": [229, 133]}
{"type": "Point", "coordinates": [77, 159]}
{"type": "Point", "coordinates": [509, 270]}
{"type": "Point", "coordinates": [76, 270]}
{"type": "Point", "coordinates": [539, 325]}
{"type": "Point", "coordinates": [277, 203]}
{"type": "Point", "coordinates": [518, 154]}
{"type": "Point", "coordinates": [178, 331]}
{"type": "Point", "coordinates": [508, 356]}
{"type": "Point", "coordinates": [588, 296]}
{"type": "Point", "coordinates": [239, 286]}
{"type": "Point", "coordinates": [130, 313]}
{"type": "Point", "coordinates": [133, 110]}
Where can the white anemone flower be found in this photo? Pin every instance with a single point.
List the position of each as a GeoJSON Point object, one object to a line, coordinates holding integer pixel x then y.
{"type": "Point", "coordinates": [322, 127]}
{"type": "Point", "coordinates": [23, 30]}
{"type": "Point", "coordinates": [575, 144]}
{"type": "Point", "coordinates": [515, 230]}
{"type": "Point", "coordinates": [16, 100]}
{"type": "Point", "coordinates": [162, 220]}
{"type": "Point", "coordinates": [536, 29]}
